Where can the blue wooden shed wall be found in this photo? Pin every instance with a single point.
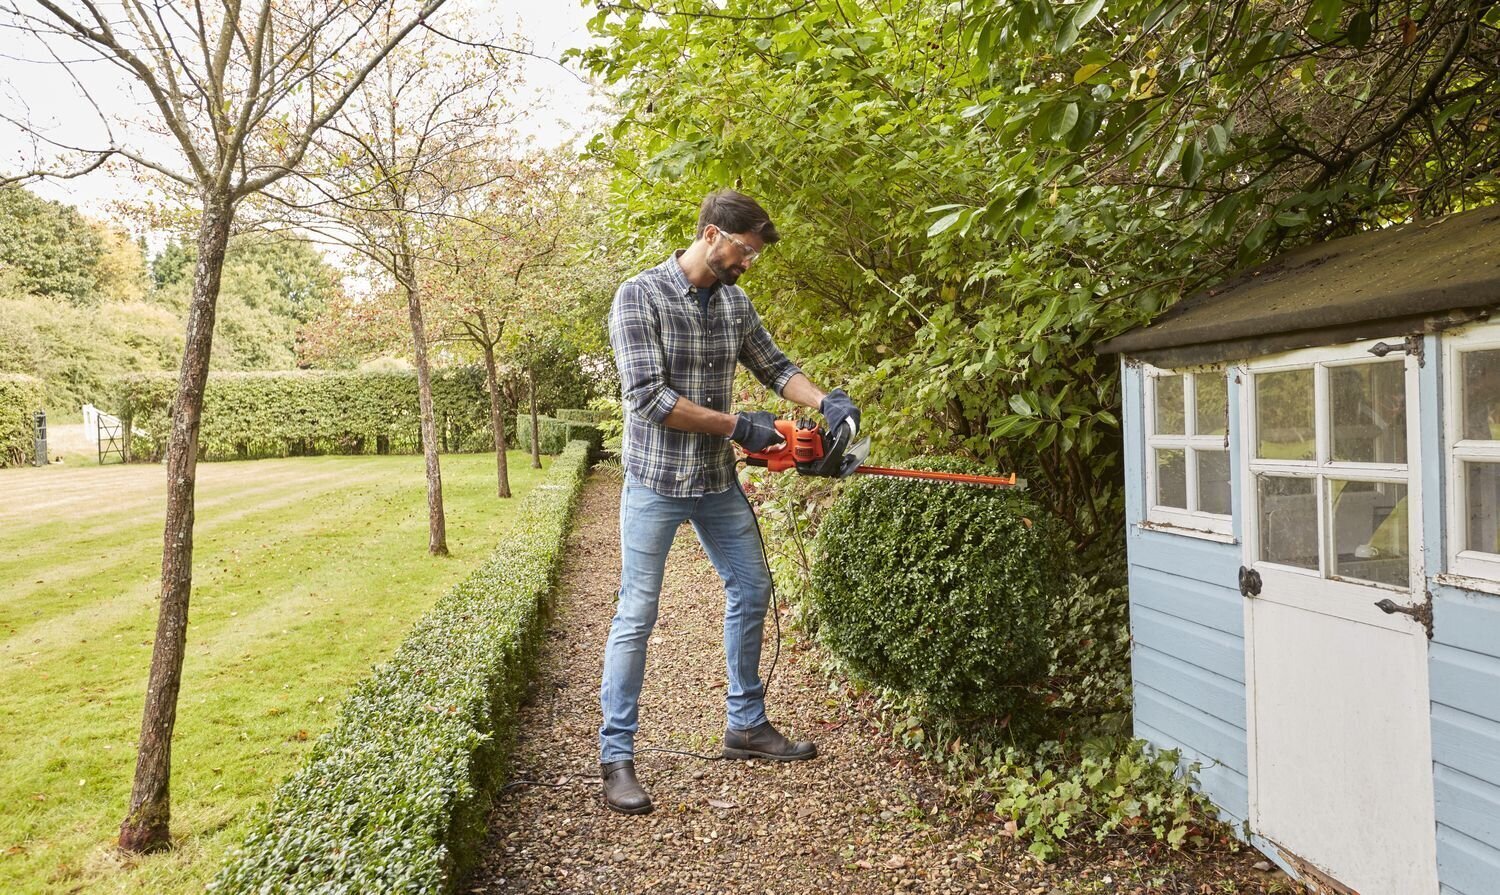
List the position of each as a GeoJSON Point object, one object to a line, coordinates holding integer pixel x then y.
{"type": "Point", "coordinates": [1187, 630]}
{"type": "Point", "coordinates": [1188, 658]}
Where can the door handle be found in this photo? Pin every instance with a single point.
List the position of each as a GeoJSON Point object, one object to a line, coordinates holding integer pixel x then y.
{"type": "Point", "coordinates": [1249, 582]}
{"type": "Point", "coordinates": [1421, 612]}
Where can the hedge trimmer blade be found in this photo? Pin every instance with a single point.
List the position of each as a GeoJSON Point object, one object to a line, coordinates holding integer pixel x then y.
{"type": "Point", "coordinates": [953, 478]}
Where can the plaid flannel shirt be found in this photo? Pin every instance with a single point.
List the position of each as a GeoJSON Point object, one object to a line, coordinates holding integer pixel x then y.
{"type": "Point", "coordinates": [666, 347]}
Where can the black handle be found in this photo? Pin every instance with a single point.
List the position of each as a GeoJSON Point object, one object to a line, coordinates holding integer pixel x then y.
{"type": "Point", "coordinates": [1422, 612]}
{"type": "Point", "coordinates": [1249, 582]}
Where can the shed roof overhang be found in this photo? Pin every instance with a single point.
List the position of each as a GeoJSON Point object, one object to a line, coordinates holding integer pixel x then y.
{"type": "Point", "coordinates": [1420, 277]}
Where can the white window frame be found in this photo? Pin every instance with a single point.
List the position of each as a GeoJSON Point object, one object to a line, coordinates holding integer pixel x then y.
{"type": "Point", "coordinates": [1458, 450]}
{"type": "Point", "coordinates": [1323, 469]}
{"type": "Point", "coordinates": [1191, 521]}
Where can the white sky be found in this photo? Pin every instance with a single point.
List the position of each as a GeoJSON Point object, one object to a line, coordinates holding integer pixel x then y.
{"type": "Point", "coordinates": [559, 103]}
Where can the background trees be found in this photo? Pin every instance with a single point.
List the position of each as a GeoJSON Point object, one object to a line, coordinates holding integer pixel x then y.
{"type": "Point", "coordinates": [974, 194]}
{"type": "Point", "coordinates": [232, 97]}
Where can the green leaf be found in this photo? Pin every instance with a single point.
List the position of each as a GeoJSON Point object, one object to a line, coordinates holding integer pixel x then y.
{"type": "Point", "coordinates": [1063, 120]}
{"type": "Point", "coordinates": [1192, 163]}
{"type": "Point", "coordinates": [1360, 28]}
{"type": "Point", "coordinates": [1218, 140]}
{"type": "Point", "coordinates": [943, 223]}
{"type": "Point", "coordinates": [1088, 13]}
{"type": "Point", "coordinates": [1086, 72]}
{"type": "Point", "coordinates": [1292, 218]}
{"type": "Point", "coordinates": [1066, 36]}
{"type": "Point", "coordinates": [1019, 405]}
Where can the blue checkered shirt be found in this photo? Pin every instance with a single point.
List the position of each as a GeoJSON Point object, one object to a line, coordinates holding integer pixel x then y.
{"type": "Point", "coordinates": [667, 347]}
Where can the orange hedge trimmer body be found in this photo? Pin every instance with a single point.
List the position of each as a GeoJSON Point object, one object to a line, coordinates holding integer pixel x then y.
{"type": "Point", "coordinates": [811, 451]}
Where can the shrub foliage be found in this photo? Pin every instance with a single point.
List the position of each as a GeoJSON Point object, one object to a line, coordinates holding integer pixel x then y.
{"type": "Point", "coordinates": [555, 433]}
{"type": "Point", "coordinates": [940, 590]}
{"type": "Point", "coordinates": [20, 397]}
{"type": "Point", "coordinates": [247, 415]}
{"type": "Point", "coordinates": [394, 797]}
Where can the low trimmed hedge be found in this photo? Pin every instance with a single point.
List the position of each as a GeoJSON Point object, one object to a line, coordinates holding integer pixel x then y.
{"type": "Point", "coordinates": [556, 433]}
{"type": "Point", "coordinates": [303, 412]}
{"type": "Point", "coordinates": [394, 798]}
{"type": "Point", "coordinates": [20, 397]}
{"type": "Point", "coordinates": [580, 415]}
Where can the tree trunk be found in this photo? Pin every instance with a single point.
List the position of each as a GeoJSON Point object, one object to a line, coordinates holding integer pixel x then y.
{"type": "Point", "coordinates": [147, 823]}
{"type": "Point", "coordinates": [497, 421]}
{"type": "Point", "coordinates": [536, 440]}
{"type": "Point", "coordinates": [437, 531]}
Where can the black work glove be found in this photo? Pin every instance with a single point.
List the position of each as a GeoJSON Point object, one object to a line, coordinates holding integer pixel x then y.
{"type": "Point", "coordinates": [755, 430]}
{"type": "Point", "coordinates": [836, 408]}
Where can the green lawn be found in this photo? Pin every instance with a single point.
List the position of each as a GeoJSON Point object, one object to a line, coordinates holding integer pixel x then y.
{"type": "Point", "coordinates": [306, 572]}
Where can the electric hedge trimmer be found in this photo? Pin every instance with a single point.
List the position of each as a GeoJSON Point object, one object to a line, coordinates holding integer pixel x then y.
{"type": "Point", "coordinates": [812, 451]}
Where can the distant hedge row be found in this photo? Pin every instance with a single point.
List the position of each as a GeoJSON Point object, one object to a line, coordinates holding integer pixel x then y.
{"type": "Point", "coordinates": [394, 797]}
{"type": "Point", "coordinates": [555, 433]}
{"type": "Point", "coordinates": [20, 397]}
{"type": "Point", "coordinates": [299, 413]}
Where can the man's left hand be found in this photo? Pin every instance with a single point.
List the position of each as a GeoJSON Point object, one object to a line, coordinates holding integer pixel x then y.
{"type": "Point", "coordinates": [837, 408]}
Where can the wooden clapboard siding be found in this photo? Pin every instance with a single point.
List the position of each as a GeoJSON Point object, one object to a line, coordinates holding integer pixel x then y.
{"type": "Point", "coordinates": [1187, 628]}
{"type": "Point", "coordinates": [1465, 667]}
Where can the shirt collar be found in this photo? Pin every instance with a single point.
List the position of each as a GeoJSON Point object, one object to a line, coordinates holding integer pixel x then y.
{"type": "Point", "coordinates": [673, 269]}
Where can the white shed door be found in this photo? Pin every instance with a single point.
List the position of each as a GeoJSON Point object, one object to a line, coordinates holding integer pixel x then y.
{"type": "Point", "coordinates": [1339, 720]}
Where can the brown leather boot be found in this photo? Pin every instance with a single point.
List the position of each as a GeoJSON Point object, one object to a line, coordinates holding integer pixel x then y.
{"type": "Point", "coordinates": [622, 792]}
{"type": "Point", "coordinates": [765, 741]}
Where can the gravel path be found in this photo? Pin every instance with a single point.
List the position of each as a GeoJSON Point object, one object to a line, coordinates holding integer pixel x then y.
{"type": "Point", "coordinates": [858, 819]}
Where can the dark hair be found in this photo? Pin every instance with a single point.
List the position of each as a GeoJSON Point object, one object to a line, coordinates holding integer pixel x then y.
{"type": "Point", "coordinates": [735, 212]}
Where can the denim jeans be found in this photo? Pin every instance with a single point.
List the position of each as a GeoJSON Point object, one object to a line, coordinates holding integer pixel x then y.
{"type": "Point", "coordinates": [726, 527]}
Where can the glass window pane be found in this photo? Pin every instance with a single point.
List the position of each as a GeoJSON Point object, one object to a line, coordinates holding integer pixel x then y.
{"type": "Point", "coordinates": [1213, 481]}
{"type": "Point", "coordinates": [1481, 399]}
{"type": "Point", "coordinates": [1211, 397]}
{"type": "Point", "coordinates": [1171, 479]}
{"type": "Point", "coordinates": [1171, 405]}
{"type": "Point", "coordinates": [1369, 532]}
{"type": "Point", "coordinates": [1369, 412]}
{"type": "Point", "coordinates": [1288, 521]}
{"type": "Point", "coordinates": [1483, 480]}
{"type": "Point", "coordinates": [1284, 416]}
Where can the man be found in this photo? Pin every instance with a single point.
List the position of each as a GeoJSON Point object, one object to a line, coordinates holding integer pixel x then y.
{"type": "Point", "coordinates": [678, 331]}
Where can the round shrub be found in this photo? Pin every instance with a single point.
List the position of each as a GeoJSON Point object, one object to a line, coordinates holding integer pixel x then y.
{"type": "Point", "coordinates": [940, 590]}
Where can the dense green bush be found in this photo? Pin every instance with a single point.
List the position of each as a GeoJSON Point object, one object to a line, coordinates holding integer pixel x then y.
{"type": "Point", "coordinates": [579, 415]}
{"type": "Point", "coordinates": [941, 590]}
{"type": "Point", "coordinates": [394, 797]}
{"type": "Point", "coordinates": [556, 433]}
{"type": "Point", "coordinates": [20, 397]}
{"type": "Point", "coordinates": [248, 415]}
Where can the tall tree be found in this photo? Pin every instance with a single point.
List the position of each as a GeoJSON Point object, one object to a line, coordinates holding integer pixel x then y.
{"type": "Point", "coordinates": [517, 265]}
{"type": "Point", "coordinates": [396, 163]}
{"type": "Point", "coordinates": [235, 94]}
{"type": "Point", "coordinates": [973, 194]}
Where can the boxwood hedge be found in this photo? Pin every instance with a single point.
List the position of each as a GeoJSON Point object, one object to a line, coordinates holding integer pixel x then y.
{"type": "Point", "coordinates": [940, 590]}
{"type": "Point", "coordinates": [294, 413]}
{"type": "Point", "coordinates": [394, 797]}
{"type": "Point", "coordinates": [20, 397]}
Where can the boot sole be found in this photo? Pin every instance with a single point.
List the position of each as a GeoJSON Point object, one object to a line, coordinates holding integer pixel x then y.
{"type": "Point", "coordinates": [645, 809]}
{"type": "Point", "coordinates": [747, 754]}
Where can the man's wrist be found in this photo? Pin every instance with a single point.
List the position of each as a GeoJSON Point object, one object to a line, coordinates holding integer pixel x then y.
{"type": "Point", "coordinates": [728, 422]}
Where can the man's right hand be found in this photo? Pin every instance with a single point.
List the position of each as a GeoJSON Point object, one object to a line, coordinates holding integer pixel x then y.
{"type": "Point", "coordinates": [755, 430]}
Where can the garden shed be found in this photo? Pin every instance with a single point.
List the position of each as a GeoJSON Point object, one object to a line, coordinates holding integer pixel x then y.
{"type": "Point", "coordinates": [1313, 496]}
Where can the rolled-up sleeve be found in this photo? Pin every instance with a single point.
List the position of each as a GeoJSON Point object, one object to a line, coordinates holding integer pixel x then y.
{"type": "Point", "coordinates": [636, 337]}
{"type": "Point", "coordinates": [761, 357]}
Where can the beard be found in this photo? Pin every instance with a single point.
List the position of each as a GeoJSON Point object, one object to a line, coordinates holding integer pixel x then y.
{"type": "Point", "coordinates": [725, 273]}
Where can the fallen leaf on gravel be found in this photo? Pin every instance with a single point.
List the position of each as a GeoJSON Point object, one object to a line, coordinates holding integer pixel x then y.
{"type": "Point", "coordinates": [721, 803]}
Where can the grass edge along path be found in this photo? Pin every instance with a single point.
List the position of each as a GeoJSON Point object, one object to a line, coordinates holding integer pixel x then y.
{"type": "Point", "coordinates": [394, 797]}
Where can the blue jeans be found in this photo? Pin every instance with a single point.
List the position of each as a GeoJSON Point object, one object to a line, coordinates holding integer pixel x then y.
{"type": "Point", "coordinates": [726, 527]}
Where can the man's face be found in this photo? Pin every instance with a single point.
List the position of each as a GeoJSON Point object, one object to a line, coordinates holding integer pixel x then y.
{"type": "Point", "coordinates": [731, 254]}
